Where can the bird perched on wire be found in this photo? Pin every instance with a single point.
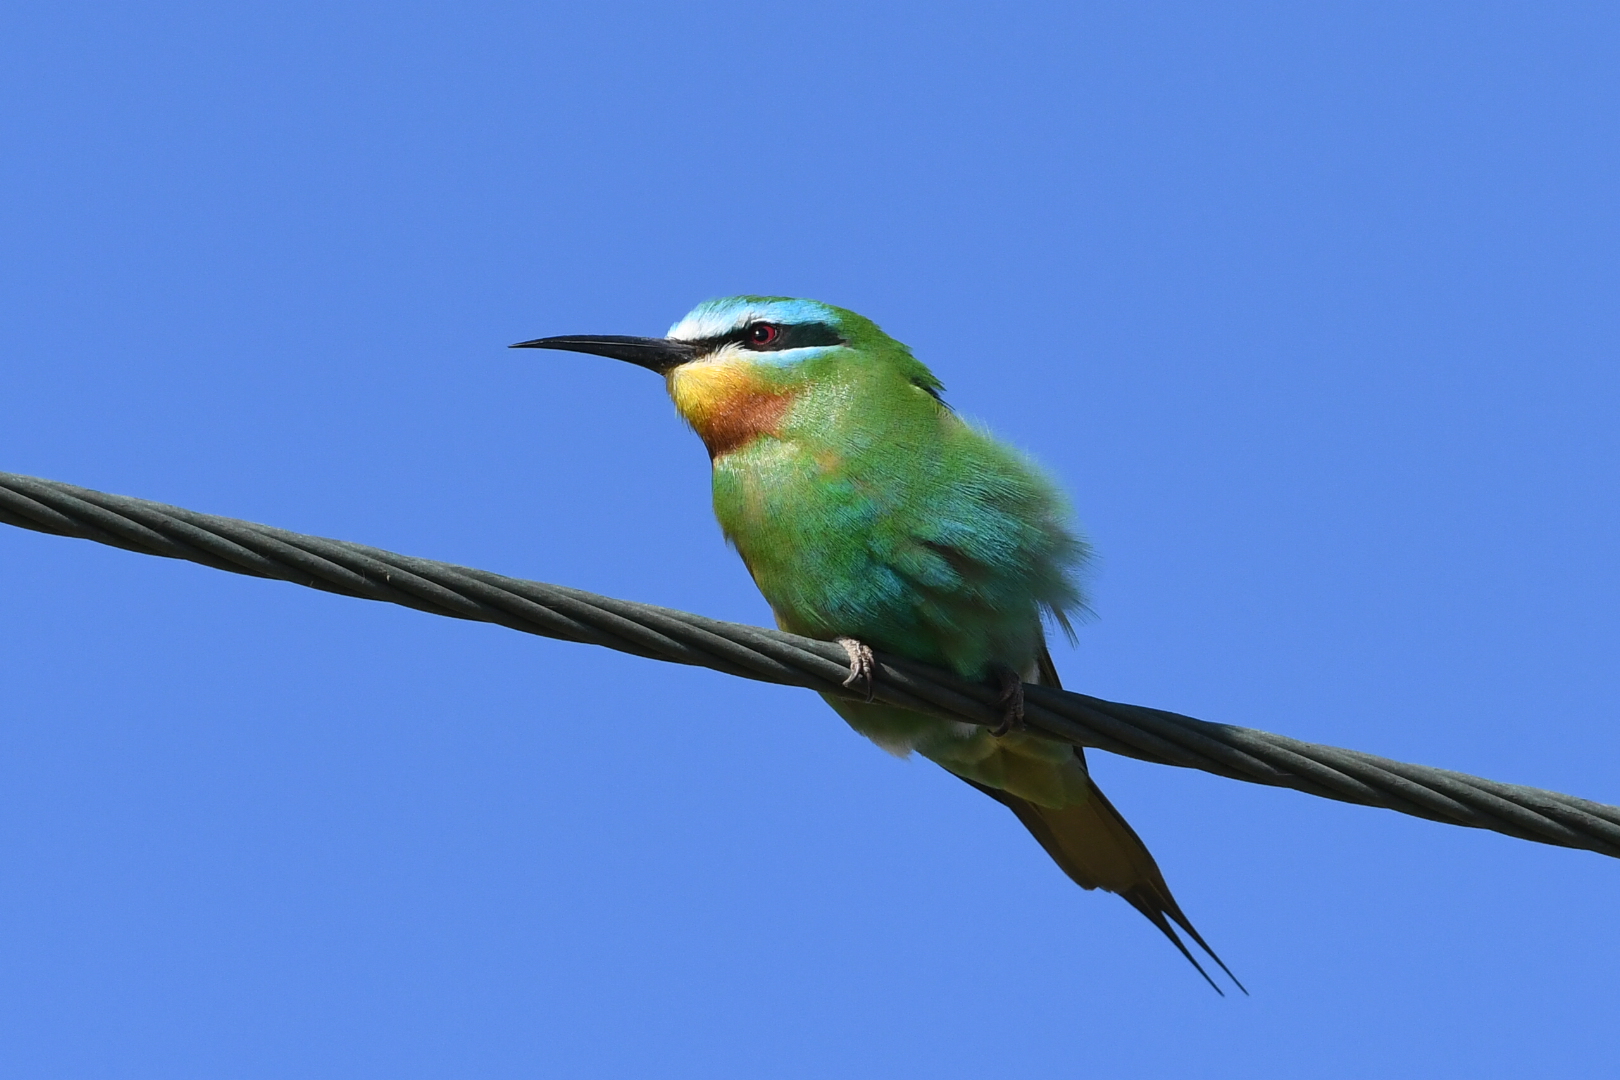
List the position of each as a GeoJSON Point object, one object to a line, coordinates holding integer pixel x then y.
{"type": "Point", "coordinates": [868, 512]}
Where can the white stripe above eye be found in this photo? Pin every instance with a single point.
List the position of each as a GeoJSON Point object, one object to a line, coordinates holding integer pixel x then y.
{"type": "Point", "coordinates": [717, 318]}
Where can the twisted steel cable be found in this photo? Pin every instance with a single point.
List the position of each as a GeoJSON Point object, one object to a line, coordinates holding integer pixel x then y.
{"type": "Point", "coordinates": [753, 652]}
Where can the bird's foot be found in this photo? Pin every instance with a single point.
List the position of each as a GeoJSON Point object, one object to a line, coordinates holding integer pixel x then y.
{"type": "Point", "coordinates": [862, 665]}
{"type": "Point", "coordinates": [1011, 702]}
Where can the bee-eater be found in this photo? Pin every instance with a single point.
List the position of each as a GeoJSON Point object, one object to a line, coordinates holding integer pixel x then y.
{"type": "Point", "coordinates": [868, 512]}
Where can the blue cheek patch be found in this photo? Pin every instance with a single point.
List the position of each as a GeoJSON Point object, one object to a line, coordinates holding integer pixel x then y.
{"type": "Point", "coordinates": [788, 357]}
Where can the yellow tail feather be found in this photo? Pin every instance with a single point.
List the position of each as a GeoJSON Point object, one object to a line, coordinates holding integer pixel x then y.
{"type": "Point", "coordinates": [1098, 849]}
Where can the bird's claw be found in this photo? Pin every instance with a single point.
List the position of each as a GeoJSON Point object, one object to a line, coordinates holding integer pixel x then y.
{"type": "Point", "coordinates": [1010, 701]}
{"type": "Point", "coordinates": [862, 665]}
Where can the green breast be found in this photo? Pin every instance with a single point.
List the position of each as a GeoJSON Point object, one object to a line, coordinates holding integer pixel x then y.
{"type": "Point", "coordinates": [896, 523]}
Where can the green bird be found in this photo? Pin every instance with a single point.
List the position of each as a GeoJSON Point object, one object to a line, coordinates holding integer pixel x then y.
{"type": "Point", "coordinates": [868, 512]}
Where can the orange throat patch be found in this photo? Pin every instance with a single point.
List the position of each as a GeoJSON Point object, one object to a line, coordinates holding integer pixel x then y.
{"type": "Point", "coordinates": [727, 403]}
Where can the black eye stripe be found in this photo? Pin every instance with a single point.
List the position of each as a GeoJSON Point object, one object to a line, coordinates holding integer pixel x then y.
{"type": "Point", "coordinates": [790, 336]}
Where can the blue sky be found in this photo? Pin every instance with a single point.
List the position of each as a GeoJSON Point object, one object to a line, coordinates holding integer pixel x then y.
{"type": "Point", "coordinates": [1310, 307]}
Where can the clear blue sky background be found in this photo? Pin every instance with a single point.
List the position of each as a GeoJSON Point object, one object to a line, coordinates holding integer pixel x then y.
{"type": "Point", "coordinates": [1311, 307]}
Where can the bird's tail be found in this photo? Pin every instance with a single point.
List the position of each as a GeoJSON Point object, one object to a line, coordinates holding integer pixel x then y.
{"type": "Point", "coordinates": [1094, 844]}
{"type": "Point", "coordinates": [1098, 849]}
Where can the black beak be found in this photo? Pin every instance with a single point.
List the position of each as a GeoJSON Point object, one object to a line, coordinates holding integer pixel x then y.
{"type": "Point", "coordinates": [656, 353]}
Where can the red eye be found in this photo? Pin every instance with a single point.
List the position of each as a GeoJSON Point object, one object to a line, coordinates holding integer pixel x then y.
{"type": "Point", "coordinates": [763, 333]}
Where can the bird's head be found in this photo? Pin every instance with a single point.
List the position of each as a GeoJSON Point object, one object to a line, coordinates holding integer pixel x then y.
{"type": "Point", "coordinates": [734, 366]}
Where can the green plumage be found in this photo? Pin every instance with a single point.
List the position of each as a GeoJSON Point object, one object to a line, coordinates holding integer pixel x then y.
{"type": "Point", "coordinates": [866, 509]}
{"type": "Point", "coordinates": [875, 512]}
